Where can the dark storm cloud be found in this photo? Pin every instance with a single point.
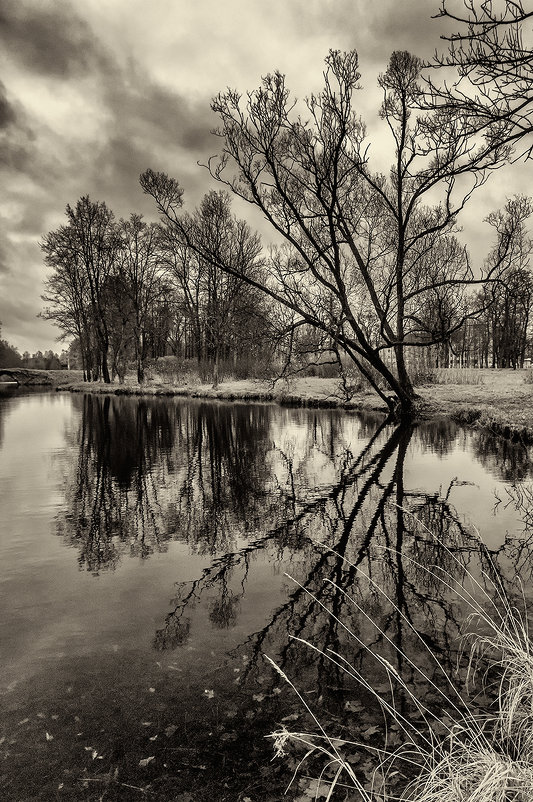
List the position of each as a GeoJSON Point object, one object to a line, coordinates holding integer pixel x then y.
{"type": "Point", "coordinates": [15, 134]}
{"type": "Point", "coordinates": [411, 27]}
{"type": "Point", "coordinates": [156, 115]}
{"type": "Point", "coordinates": [7, 112]}
{"type": "Point", "coordinates": [143, 123]}
{"type": "Point", "coordinates": [152, 126]}
{"type": "Point", "coordinates": [48, 38]}
{"type": "Point", "coordinates": [374, 30]}
{"type": "Point", "coordinates": [52, 39]}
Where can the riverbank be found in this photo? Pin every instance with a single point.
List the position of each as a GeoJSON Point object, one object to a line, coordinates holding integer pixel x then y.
{"type": "Point", "coordinates": [499, 400]}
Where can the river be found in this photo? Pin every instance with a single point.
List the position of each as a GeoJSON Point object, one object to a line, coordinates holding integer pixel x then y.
{"type": "Point", "coordinates": [154, 552]}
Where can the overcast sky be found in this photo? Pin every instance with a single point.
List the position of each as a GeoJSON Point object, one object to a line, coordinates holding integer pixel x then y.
{"type": "Point", "coordinates": [92, 92]}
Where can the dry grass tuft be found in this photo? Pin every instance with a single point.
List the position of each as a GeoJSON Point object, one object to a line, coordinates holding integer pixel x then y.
{"type": "Point", "coordinates": [458, 376]}
{"type": "Point", "coordinates": [487, 759]}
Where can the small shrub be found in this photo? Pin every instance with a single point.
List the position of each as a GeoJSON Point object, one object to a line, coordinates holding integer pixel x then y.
{"type": "Point", "coordinates": [424, 376]}
{"type": "Point", "coordinates": [170, 370]}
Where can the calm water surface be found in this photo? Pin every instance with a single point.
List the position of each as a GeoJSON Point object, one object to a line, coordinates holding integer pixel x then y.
{"type": "Point", "coordinates": [145, 547]}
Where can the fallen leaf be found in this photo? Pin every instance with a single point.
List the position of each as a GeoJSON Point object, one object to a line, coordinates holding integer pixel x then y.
{"type": "Point", "coordinates": [49, 737]}
{"type": "Point", "coordinates": [292, 717]}
{"type": "Point", "coordinates": [146, 760]}
{"type": "Point", "coordinates": [353, 707]}
{"type": "Point", "coordinates": [170, 730]}
{"type": "Point", "coordinates": [258, 697]}
{"type": "Point", "coordinates": [209, 693]}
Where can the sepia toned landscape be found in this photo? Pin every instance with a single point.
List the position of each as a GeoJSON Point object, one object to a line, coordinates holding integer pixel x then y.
{"type": "Point", "coordinates": [266, 401]}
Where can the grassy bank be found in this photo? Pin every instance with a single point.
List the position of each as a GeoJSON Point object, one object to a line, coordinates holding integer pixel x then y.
{"type": "Point", "coordinates": [500, 400]}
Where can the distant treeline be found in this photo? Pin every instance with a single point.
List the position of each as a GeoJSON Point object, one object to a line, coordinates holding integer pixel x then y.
{"type": "Point", "coordinates": [128, 292]}
{"type": "Point", "coordinates": [10, 358]}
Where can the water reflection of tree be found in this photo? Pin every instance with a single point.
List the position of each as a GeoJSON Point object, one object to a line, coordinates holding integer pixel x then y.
{"type": "Point", "coordinates": [329, 504]}
{"type": "Point", "coordinates": [363, 532]}
{"type": "Point", "coordinates": [113, 496]}
{"type": "Point", "coordinates": [149, 471]}
{"type": "Point", "coordinates": [519, 547]}
{"type": "Point", "coordinates": [220, 479]}
{"type": "Point", "coordinates": [511, 461]}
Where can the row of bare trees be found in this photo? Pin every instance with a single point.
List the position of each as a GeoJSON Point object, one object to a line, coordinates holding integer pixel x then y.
{"type": "Point", "coordinates": [129, 290]}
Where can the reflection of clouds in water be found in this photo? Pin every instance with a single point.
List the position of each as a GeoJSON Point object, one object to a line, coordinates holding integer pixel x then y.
{"type": "Point", "coordinates": [31, 424]}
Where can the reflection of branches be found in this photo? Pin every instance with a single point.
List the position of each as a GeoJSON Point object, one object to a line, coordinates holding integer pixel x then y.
{"type": "Point", "coordinates": [114, 502]}
{"type": "Point", "coordinates": [509, 460]}
{"type": "Point", "coordinates": [352, 469]}
{"type": "Point", "coordinates": [360, 518]}
{"type": "Point", "coordinates": [243, 484]}
{"type": "Point", "coordinates": [356, 516]}
{"type": "Point", "coordinates": [519, 549]}
{"type": "Point", "coordinates": [521, 497]}
{"type": "Point", "coordinates": [149, 471]}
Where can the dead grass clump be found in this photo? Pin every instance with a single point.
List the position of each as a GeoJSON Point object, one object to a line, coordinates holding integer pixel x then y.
{"type": "Point", "coordinates": [458, 376]}
{"type": "Point", "coordinates": [482, 757]}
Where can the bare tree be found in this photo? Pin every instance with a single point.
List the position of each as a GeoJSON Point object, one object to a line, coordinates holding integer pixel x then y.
{"type": "Point", "coordinates": [355, 238]}
{"type": "Point", "coordinates": [139, 267]}
{"type": "Point", "coordinates": [215, 258]}
{"type": "Point", "coordinates": [508, 299]}
{"type": "Point", "coordinates": [82, 256]}
{"type": "Point", "coordinates": [66, 296]}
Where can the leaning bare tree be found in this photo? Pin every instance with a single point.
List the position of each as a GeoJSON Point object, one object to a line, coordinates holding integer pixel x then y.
{"type": "Point", "coordinates": [356, 240]}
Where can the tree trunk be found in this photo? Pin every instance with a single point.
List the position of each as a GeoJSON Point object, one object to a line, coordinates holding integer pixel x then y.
{"type": "Point", "coordinates": [105, 367]}
{"type": "Point", "coordinates": [215, 367]}
{"type": "Point", "coordinates": [140, 361]}
{"type": "Point", "coordinates": [405, 391]}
